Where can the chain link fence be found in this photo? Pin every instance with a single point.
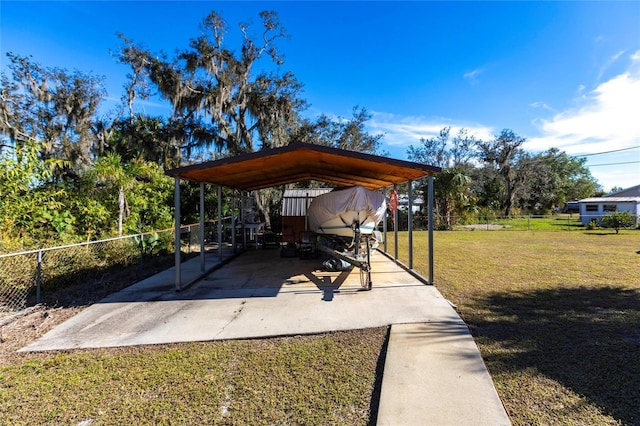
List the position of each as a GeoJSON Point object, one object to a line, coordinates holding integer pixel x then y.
{"type": "Point", "coordinates": [559, 222]}
{"type": "Point", "coordinates": [556, 222]}
{"type": "Point", "coordinates": [80, 273]}
{"type": "Point", "coordinates": [77, 273]}
{"type": "Point", "coordinates": [17, 278]}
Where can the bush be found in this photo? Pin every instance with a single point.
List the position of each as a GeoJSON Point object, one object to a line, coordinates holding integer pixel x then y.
{"type": "Point", "coordinates": [619, 220]}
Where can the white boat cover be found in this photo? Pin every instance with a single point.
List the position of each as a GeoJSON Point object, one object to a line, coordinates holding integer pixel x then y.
{"type": "Point", "coordinates": [336, 212]}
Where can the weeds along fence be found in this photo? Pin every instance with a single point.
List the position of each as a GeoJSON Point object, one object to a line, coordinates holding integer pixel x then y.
{"type": "Point", "coordinates": [58, 275]}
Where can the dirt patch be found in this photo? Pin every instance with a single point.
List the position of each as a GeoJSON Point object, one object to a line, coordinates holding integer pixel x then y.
{"type": "Point", "coordinates": [21, 329]}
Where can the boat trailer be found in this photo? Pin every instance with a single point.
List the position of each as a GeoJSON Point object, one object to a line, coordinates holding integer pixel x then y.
{"type": "Point", "coordinates": [361, 261]}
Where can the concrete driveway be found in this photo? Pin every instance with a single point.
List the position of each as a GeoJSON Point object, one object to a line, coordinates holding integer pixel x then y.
{"type": "Point", "coordinates": [434, 373]}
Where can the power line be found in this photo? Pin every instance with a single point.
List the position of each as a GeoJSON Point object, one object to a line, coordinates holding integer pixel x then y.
{"type": "Point", "coordinates": [608, 152]}
{"type": "Point", "coordinates": [613, 164]}
{"type": "Point", "coordinates": [537, 160]}
{"type": "Point", "coordinates": [541, 160]}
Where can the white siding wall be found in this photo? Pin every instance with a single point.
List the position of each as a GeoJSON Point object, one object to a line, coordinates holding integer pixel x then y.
{"type": "Point", "coordinates": [588, 216]}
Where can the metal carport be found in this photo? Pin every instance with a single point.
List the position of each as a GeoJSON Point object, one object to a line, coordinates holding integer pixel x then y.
{"type": "Point", "coordinates": [299, 162]}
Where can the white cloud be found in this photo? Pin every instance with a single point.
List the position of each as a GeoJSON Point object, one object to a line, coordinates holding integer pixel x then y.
{"type": "Point", "coordinates": [607, 118]}
{"type": "Point", "coordinates": [542, 105]}
{"type": "Point", "coordinates": [609, 63]}
{"type": "Point", "coordinates": [472, 76]}
{"type": "Point", "coordinates": [405, 131]}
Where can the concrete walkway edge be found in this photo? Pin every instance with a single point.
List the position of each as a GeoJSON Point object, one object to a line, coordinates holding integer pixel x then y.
{"type": "Point", "coordinates": [434, 375]}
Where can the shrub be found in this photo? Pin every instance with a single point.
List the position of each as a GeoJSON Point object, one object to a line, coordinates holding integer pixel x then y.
{"type": "Point", "coordinates": [593, 224]}
{"type": "Point", "coordinates": [619, 220]}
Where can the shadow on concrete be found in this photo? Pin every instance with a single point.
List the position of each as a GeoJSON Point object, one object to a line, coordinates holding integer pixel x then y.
{"type": "Point", "coordinates": [587, 339]}
{"type": "Point", "coordinates": [328, 284]}
{"type": "Point", "coordinates": [86, 286]}
{"type": "Point", "coordinates": [253, 273]}
{"type": "Point", "coordinates": [82, 286]}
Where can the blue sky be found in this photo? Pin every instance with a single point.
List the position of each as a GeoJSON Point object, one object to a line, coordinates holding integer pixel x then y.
{"type": "Point", "coordinates": [561, 74]}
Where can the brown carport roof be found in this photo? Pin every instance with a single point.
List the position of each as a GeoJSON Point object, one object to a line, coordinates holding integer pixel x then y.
{"type": "Point", "coordinates": [301, 162]}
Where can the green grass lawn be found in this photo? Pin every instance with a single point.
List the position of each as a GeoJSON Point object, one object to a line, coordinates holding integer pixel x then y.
{"type": "Point", "coordinates": [556, 316]}
{"type": "Point", "coordinates": [325, 379]}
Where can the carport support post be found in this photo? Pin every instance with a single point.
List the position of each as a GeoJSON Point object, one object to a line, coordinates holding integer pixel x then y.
{"type": "Point", "coordinates": [243, 219]}
{"type": "Point", "coordinates": [176, 204]}
{"type": "Point", "coordinates": [430, 212]}
{"type": "Point", "coordinates": [306, 217]}
{"type": "Point", "coordinates": [220, 222]}
{"type": "Point", "coordinates": [202, 265]}
{"type": "Point", "coordinates": [384, 224]}
{"type": "Point", "coordinates": [410, 224]}
{"type": "Point", "coordinates": [233, 221]}
{"type": "Point", "coordinates": [395, 231]}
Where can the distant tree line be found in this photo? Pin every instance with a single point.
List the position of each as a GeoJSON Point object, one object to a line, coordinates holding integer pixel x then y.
{"type": "Point", "coordinates": [498, 176]}
{"type": "Point", "coordinates": [71, 171]}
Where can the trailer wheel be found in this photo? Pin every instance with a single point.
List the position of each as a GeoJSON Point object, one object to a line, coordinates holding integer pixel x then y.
{"type": "Point", "coordinates": [365, 277]}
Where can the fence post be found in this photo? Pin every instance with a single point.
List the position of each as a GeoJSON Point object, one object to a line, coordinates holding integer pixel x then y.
{"type": "Point", "coordinates": [176, 203]}
{"type": "Point", "coordinates": [38, 276]}
{"type": "Point", "coordinates": [529, 222]}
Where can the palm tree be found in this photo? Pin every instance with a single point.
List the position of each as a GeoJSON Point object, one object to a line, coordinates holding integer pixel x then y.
{"type": "Point", "coordinates": [110, 170]}
{"type": "Point", "coordinates": [451, 189]}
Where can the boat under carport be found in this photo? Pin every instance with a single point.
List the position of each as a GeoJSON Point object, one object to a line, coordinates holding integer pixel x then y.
{"type": "Point", "coordinates": [300, 162]}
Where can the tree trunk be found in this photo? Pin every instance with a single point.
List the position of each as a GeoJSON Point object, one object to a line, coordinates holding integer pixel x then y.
{"type": "Point", "coordinates": [267, 218]}
{"type": "Point", "coordinates": [447, 214]}
{"type": "Point", "coordinates": [263, 208]}
{"type": "Point", "coordinates": [265, 199]}
{"type": "Point", "coordinates": [509, 200]}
